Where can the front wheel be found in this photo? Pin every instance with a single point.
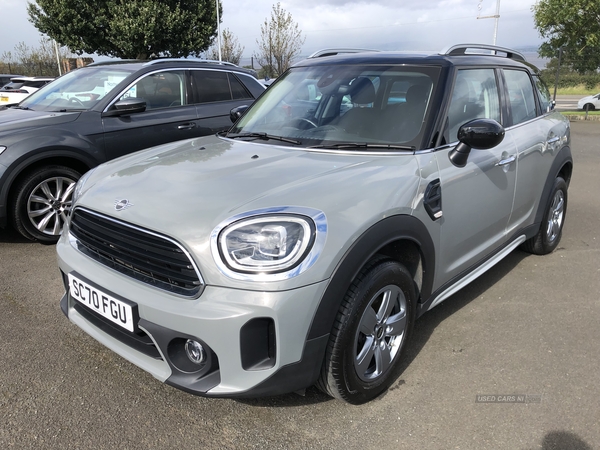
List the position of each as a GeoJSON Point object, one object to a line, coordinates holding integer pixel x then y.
{"type": "Point", "coordinates": [42, 201]}
{"type": "Point", "coordinates": [548, 237]}
{"type": "Point", "coordinates": [372, 327]}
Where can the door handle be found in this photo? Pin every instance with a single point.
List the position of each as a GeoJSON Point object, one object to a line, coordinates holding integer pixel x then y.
{"type": "Point", "coordinates": [187, 126]}
{"type": "Point", "coordinates": [506, 161]}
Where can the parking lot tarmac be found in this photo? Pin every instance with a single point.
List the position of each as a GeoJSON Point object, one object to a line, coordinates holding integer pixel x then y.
{"type": "Point", "coordinates": [509, 362]}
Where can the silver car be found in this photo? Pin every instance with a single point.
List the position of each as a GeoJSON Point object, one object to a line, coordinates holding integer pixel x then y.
{"type": "Point", "coordinates": [298, 248]}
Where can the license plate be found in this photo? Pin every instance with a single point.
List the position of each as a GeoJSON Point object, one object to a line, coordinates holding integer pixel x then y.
{"type": "Point", "coordinates": [4, 99]}
{"type": "Point", "coordinates": [115, 310]}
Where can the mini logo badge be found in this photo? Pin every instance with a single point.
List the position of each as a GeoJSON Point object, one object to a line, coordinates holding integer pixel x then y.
{"type": "Point", "coordinates": [121, 204]}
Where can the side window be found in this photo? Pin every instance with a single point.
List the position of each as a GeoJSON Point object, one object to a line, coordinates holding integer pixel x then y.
{"type": "Point", "coordinates": [211, 86]}
{"type": "Point", "coordinates": [160, 90]}
{"type": "Point", "coordinates": [544, 94]}
{"type": "Point", "coordinates": [475, 96]}
{"type": "Point", "coordinates": [520, 95]}
{"type": "Point", "coordinates": [238, 91]}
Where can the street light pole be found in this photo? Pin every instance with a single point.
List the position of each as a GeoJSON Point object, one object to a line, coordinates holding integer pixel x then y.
{"type": "Point", "coordinates": [218, 30]}
{"type": "Point", "coordinates": [495, 16]}
{"type": "Point", "coordinates": [57, 58]}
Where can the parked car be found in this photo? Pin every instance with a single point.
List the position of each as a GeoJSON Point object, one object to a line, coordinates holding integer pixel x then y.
{"type": "Point", "coordinates": [590, 103]}
{"type": "Point", "coordinates": [5, 79]}
{"type": "Point", "coordinates": [98, 113]}
{"type": "Point", "coordinates": [299, 247]}
{"type": "Point", "coordinates": [20, 88]}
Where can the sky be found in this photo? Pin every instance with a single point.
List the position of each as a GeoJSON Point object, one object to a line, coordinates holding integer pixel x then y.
{"type": "Point", "coordinates": [428, 25]}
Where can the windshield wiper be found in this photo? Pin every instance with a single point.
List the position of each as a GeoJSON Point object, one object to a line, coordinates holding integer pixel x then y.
{"type": "Point", "coordinates": [352, 145]}
{"type": "Point", "coordinates": [14, 106]}
{"type": "Point", "coordinates": [264, 137]}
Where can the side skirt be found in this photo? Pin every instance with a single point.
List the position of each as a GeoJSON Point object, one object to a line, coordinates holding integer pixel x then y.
{"type": "Point", "coordinates": [436, 299]}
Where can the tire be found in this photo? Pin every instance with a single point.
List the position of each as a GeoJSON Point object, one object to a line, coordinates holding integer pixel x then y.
{"type": "Point", "coordinates": [41, 202]}
{"type": "Point", "coordinates": [550, 232]}
{"type": "Point", "coordinates": [363, 355]}
{"type": "Point", "coordinates": [589, 106]}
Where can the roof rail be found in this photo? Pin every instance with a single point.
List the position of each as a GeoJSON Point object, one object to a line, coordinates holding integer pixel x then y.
{"type": "Point", "coordinates": [461, 49]}
{"type": "Point", "coordinates": [212, 61]}
{"type": "Point", "coordinates": [337, 51]}
{"type": "Point", "coordinates": [115, 61]}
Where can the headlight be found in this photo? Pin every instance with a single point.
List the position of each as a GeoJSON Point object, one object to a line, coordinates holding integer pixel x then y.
{"type": "Point", "coordinates": [2, 148]}
{"type": "Point", "coordinates": [269, 244]}
{"type": "Point", "coordinates": [79, 186]}
{"type": "Point", "coordinates": [266, 244]}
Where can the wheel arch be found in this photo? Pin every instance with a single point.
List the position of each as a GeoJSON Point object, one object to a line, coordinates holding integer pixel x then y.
{"type": "Point", "coordinates": [402, 238]}
{"type": "Point", "coordinates": [55, 156]}
{"type": "Point", "coordinates": [563, 167]}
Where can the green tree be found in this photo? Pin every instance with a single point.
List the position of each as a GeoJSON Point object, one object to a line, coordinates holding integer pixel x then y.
{"type": "Point", "coordinates": [280, 42]}
{"type": "Point", "coordinates": [573, 25]}
{"type": "Point", "coordinates": [231, 50]}
{"type": "Point", "coordinates": [128, 28]}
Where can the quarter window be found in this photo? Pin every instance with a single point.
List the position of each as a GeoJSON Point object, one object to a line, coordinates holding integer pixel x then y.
{"type": "Point", "coordinates": [520, 95]}
{"type": "Point", "coordinates": [544, 94]}
{"type": "Point", "coordinates": [475, 96]}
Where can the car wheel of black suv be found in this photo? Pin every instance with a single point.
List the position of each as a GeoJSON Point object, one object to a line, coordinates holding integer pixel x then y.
{"type": "Point", "coordinates": [370, 333]}
{"type": "Point", "coordinates": [41, 202]}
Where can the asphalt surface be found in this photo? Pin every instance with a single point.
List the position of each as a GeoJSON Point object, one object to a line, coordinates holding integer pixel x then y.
{"type": "Point", "coordinates": [528, 327]}
{"type": "Point", "coordinates": [567, 102]}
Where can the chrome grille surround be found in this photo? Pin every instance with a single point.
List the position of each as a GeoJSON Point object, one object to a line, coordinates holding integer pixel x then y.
{"type": "Point", "coordinates": [144, 255]}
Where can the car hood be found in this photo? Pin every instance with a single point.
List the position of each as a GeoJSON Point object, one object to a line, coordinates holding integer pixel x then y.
{"type": "Point", "coordinates": [185, 189]}
{"type": "Point", "coordinates": [12, 119]}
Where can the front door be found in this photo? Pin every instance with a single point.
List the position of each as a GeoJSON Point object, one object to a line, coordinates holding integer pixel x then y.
{"type": "Point", "coordinates": [168, 117]}
{"type": "Point", "coordinates": [477, 199]}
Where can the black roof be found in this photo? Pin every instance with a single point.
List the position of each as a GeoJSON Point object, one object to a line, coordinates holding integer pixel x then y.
{"type": "Point", "coordinates": [464, 54]}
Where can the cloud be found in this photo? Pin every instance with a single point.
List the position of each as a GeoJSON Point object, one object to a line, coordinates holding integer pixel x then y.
{"type": "Point", "coordinates": [385, 24]}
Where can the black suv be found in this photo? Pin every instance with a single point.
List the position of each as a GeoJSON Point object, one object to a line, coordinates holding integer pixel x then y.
{"type": "Point", "coordinates": [101, 112]}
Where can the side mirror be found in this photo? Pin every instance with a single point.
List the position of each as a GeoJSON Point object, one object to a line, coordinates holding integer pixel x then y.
{"type": "Point", "coordinates": [237, 112]}
{"type": "Point", "coordinates": [478, 134]}
{"type": "Point", "coordinates": [126, 106]}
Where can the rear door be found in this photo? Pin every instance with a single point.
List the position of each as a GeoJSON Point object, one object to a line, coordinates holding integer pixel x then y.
{"type": "Point", "coordinates": [476, 199]}
{"type": "Point", "coordinates": [169, 115]}
{"type": "Point", "coordinates": [216, 93]}
{"type": "Point", "coordinates": [538, 134]}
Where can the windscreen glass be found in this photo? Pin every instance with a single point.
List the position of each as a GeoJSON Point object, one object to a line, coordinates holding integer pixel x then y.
{"type": "Point", "coordinates": [78, 90]}
{"type": "Point", "coordinates": [337, 105]}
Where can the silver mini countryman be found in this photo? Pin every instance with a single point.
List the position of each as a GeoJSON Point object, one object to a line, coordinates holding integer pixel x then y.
{"type": "Point", "coordinates": [299, 248]}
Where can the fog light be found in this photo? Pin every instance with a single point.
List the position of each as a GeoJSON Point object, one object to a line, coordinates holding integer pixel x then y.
{"type": "Point", "coordinates": [195, 352]}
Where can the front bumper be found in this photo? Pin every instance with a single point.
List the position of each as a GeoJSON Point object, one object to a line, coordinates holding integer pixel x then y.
{"type": "Point", "coordinates": [256, 340]}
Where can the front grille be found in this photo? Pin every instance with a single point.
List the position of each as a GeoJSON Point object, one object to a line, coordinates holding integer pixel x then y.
{"type": "Point", "coordinates": [133, 251]}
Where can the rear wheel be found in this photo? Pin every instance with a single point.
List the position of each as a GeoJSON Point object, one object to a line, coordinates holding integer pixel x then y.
{"type": "Point", "coordinates": [42, 201]}
{"type": "Point", "coordinates": [370, 333]}
{"type": "Point", "coordinates": [548, 237]}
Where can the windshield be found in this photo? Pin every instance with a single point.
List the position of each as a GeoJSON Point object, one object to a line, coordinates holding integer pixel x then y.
{"type": "Point", "coordinates": [343, 107]}
{"type": "Point", "coordinates": [77, 90]}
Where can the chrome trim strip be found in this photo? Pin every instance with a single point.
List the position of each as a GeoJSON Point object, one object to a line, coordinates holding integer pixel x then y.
{"type": "Point", "coordinates": [73, 239]}
{"type": "Point", "coordinates": [477, 272]}
{"type": "Point", "coordinates": [319, 219]}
